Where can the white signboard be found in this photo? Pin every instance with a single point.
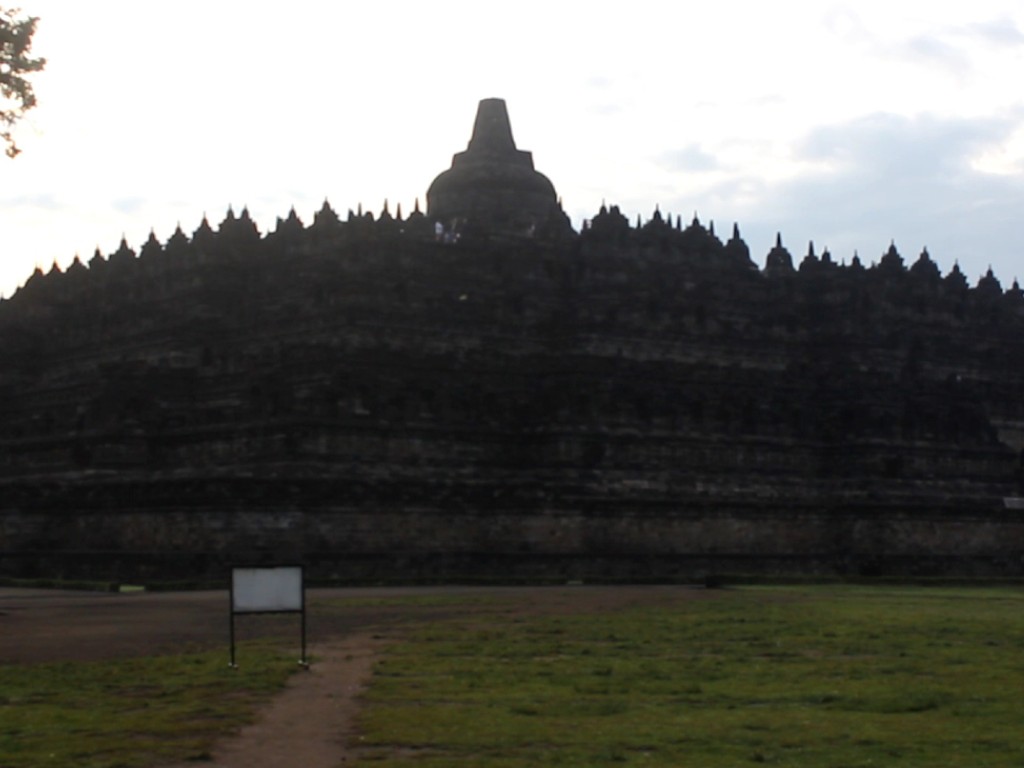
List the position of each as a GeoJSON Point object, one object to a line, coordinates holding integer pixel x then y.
{"type": "Point", "coordinates": [266, 590]}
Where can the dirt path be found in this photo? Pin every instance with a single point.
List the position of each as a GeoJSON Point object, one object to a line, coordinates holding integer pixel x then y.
{"type": "Point", "coordinates": [310, 722]}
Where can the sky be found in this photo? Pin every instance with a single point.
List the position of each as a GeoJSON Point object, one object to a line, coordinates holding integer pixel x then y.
{"type": "Point", "coordinates": [850, 124]}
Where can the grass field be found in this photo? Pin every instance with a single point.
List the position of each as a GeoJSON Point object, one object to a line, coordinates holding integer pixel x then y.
{"type": "Point", "coordinates": [811, 676]}
{"type": "Point", "coordinates": [133, 712]}
{"type": "Point", "coordinates": [799, 676]}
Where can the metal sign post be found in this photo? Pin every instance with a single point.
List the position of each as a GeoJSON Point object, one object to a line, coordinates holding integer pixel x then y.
{"type": "Point", "coordinates": [274, 589]}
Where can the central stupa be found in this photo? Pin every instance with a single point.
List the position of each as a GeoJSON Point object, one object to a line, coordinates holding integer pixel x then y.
{"type": "Point", "coordinates": [492, 186]}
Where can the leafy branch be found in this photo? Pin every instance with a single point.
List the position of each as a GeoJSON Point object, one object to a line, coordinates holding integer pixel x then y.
{"type": "Point", "coordinates": [16, 94]}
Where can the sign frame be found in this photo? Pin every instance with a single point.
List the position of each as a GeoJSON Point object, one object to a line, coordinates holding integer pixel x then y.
{"type": "Point", "coordinates": [266, 589]}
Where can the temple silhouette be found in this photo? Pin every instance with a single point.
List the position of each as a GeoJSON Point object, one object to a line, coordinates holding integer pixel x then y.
{"type": "Point", "coordinates": [477, 391]}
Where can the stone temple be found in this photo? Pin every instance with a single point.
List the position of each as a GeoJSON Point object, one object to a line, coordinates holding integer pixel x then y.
{"type": "Point", "coordinates": [478, 392]}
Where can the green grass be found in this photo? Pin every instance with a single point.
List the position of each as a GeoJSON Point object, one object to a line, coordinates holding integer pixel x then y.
{"type": "Point", "coordinates": [135, 712]}
{"type": "Point", "coordinates": [808, 676]}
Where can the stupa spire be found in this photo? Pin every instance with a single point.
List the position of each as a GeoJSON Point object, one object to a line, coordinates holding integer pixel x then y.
{"type": "Point", "coordinates": [492, 131]}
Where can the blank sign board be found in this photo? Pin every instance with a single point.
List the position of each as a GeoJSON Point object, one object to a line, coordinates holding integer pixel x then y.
{"type": "Point", "coordinates": [266, 590]}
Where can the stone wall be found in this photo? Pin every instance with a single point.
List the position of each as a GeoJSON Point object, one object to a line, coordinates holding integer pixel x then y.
{"type": "Point", "coordinates": [627, 403]}
{"type": "Point", "coordinates": [131, 534]}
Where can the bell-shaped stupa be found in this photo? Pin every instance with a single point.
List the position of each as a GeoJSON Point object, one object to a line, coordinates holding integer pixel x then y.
{"type": "Point", "coordinates": [493, 187]}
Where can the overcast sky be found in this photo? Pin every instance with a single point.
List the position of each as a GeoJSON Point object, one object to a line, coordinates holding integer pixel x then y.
{"type": "Point", "coordinates": [850, 124]}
